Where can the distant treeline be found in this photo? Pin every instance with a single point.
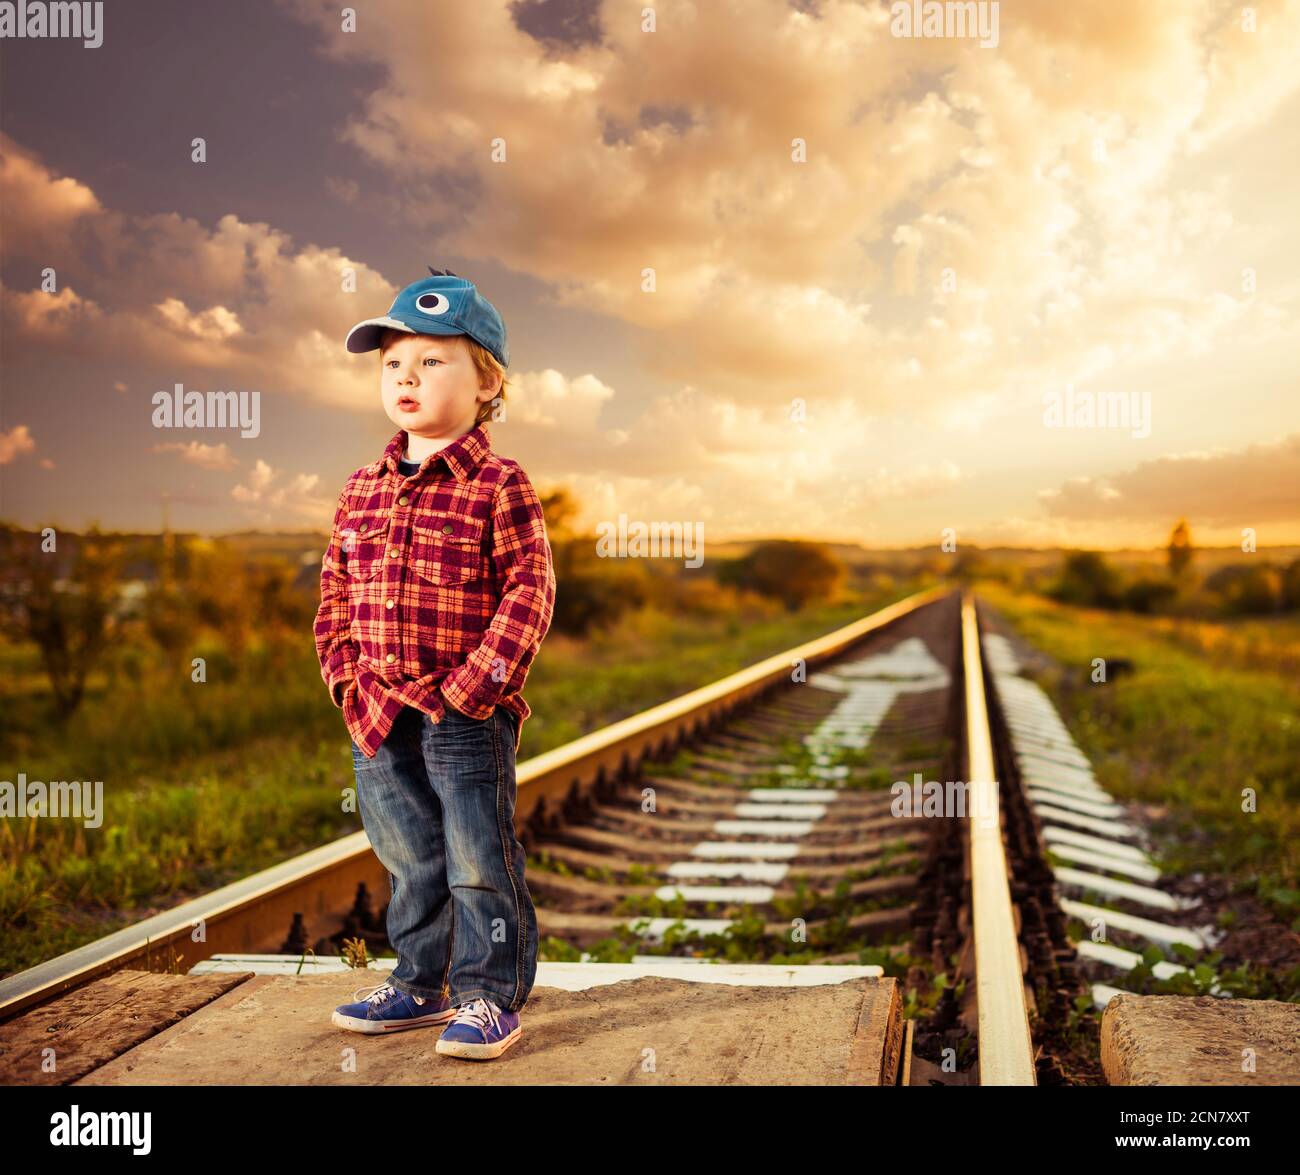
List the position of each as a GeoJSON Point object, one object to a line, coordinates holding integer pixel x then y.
{"type": "Point", "coordinates": [1252, 585]}
{"type": "Point", "coordinates": [133, 606]}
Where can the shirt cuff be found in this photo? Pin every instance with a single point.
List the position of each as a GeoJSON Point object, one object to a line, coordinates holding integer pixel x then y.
{"type": "Point", "coordinates": [341, 675]}
{"type": "Point", "coordinates": [458, 699]}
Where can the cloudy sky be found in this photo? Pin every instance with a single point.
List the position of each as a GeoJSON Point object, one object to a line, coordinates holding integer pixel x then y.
{"type": "Point", "coordinates": [764, 266]}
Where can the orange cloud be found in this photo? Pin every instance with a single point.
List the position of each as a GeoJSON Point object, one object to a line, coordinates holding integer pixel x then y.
{"type": "Point", "coordinates": [204, 456]}
{"type": "Point", "coordinates": [239, 300]}
{"type": "Point", "coordinates": [17, 441]}
{"type": "Point", "coordinates": [1046, 178]}
{"type": "Point", "coordinates": [1257, 484]}
{"type": "Point", "coordinates": [280, 501]}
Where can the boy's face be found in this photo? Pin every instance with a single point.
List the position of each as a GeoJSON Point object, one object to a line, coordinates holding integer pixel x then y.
{"type": "Point", "coordinates": [430, 386]}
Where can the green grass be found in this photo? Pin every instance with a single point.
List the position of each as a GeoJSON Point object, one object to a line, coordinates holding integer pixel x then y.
{"type": "Point", "coordinates": [208, 782]}
{"type": "Point", "coordinates": [1196, 725]}
{"type": "Point", "coordinates": [143, 717]}
{"type": "Point", "coordinates": [164, 839]}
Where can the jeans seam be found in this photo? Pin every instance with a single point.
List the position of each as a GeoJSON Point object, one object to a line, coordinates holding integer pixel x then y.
{"type": "Point", "coordinates": [418, 736]}
{"type": "Point", "coordinates": [414, 749]}
{"type": "Point", "coordinates": [507, 857]}
{"type": "Point", "coordinates": [451, 938]}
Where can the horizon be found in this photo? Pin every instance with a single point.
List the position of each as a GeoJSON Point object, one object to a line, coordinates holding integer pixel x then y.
{"type": "Point", "coordinates": [1282, 550]}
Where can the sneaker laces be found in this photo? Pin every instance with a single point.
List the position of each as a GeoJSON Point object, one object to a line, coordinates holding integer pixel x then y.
{"type": "Point", "coordinates": [479, 1013]}
{"type": "Point", "coordinates": [376, 995]}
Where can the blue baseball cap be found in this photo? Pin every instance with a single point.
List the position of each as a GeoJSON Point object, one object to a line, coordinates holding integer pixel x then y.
{"type": "Point", "coordinates": [443, 304]}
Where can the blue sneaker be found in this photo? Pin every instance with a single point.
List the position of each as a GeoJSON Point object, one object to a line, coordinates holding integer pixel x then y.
{"type": "Point", "coordinates": [385, 1009]}
{"type": "Point", "coordinates": [479, 1032]}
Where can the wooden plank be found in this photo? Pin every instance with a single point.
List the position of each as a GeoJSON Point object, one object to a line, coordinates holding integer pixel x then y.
{"type": "Point", "coordinates": [93, 1024]}
{"type": "Point", "coordinates": [1199, 1040]}
{"type": "Point", "coordinates": [876, 1052]}
{"type": "Point", "coordinates": [649, 1031]}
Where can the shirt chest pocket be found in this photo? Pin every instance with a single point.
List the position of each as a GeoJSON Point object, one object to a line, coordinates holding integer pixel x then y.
{"type": "Point", "coordinates": [364, 543]}
{"type": "Point", "coordinates": [447, 548]}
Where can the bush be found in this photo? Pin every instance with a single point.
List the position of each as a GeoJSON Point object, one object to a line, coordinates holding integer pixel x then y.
{"type": "Point", "coordinates": [592, 592]}
{"type": "Point", "coordinates": [1291, 585]}
{"type": "Point", "coordinates": [1086, 579]}
{"type": "Point", "coordinates": [1253, 590]}
{"type": "Point", "coordinates": [795, 573]}
{"type": "Point", "coordinates": [1149, 595]}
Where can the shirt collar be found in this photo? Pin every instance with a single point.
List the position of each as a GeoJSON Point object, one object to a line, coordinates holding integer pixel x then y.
{"type": "Point", "coordinates": [462, 456]}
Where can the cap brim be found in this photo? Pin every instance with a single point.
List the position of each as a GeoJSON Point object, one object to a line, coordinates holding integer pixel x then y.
{"type": "Point", "coordinates": [365, 335]}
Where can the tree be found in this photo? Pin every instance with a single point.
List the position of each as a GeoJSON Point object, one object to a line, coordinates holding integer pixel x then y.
{"type": "Point", "coordinates": [793, 572]}
{"type": "Point", "coordinates": [1291, 585]}
{"type": "Point", "coordinates": [70, 619]}
{"type": "Point", "coordinates": [591, 592]}
{"type": "Point", "coordinates": [1180, 549]}
{"type": "Point", "coordinates": [1149, 595]}
{"type": "Point", "coordinates": [1255, 589]}
{"type": "Point", "coordinates": [1086, 578]}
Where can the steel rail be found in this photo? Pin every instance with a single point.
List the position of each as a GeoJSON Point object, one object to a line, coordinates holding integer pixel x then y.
{"type": "Point", "coordinates": [1006, 1051]}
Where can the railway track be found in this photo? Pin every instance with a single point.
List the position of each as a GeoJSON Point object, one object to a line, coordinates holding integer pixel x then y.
{"type": "Point", "coordinates": [774, 826]}
{"type": "Point", "coordinates": [756, 820]}
{"type": "Point", "coordinates": [1089, 884]}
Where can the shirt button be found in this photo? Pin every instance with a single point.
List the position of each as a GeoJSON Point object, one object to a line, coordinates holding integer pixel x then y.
{"type": "Point", "coordinates": [388, 603]}
{"type": "Point", "coordinates": [448, 528]}
{"type": "Point", "coordinates": [390, 658]}
{"type": "Point", "coordinates": [364, 526]}
{"type": "Point", "coordinates": [403, 500]}
{"type": "Point", "coordinates": [392, 552]}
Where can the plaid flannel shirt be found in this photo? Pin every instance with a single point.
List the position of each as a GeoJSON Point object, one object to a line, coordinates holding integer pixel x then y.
{"type": "Point", "coordinates": [436, 589]}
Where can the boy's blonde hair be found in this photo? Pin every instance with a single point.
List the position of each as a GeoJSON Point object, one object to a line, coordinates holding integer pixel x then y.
{"type": "Point", "coordinates": [485, 363]}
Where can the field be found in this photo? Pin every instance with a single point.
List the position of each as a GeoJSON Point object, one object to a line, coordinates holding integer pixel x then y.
{"type": "Point", "coordinates": [1203, 734]}
{"type": "Point", "coordinates": [208, 782]}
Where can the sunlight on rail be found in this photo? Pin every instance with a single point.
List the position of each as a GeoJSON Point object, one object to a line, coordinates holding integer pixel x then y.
{"type": "Point", "coordinates": [1005, 1047]}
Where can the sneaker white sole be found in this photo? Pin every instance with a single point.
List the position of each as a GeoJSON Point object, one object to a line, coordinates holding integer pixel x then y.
{"type": "Point", "coordinates": [477, 1052]}
{"type": "Point", "coordinates": [379, 1027]}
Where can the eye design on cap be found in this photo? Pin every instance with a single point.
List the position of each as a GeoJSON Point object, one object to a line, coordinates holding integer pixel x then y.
{"type": "Point", "coordinates": [433, 303]}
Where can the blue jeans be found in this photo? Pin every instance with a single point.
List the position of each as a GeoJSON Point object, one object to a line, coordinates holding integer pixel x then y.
{"type": "Point", "coordinates": [438, 804]}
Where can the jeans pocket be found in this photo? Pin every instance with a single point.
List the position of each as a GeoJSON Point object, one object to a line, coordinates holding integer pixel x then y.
{"type": "Point", "coordinates": [455, 715]}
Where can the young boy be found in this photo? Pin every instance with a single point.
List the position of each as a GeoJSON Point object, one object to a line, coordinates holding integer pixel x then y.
{"type": "Point", "coordinates": [436, 591]}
